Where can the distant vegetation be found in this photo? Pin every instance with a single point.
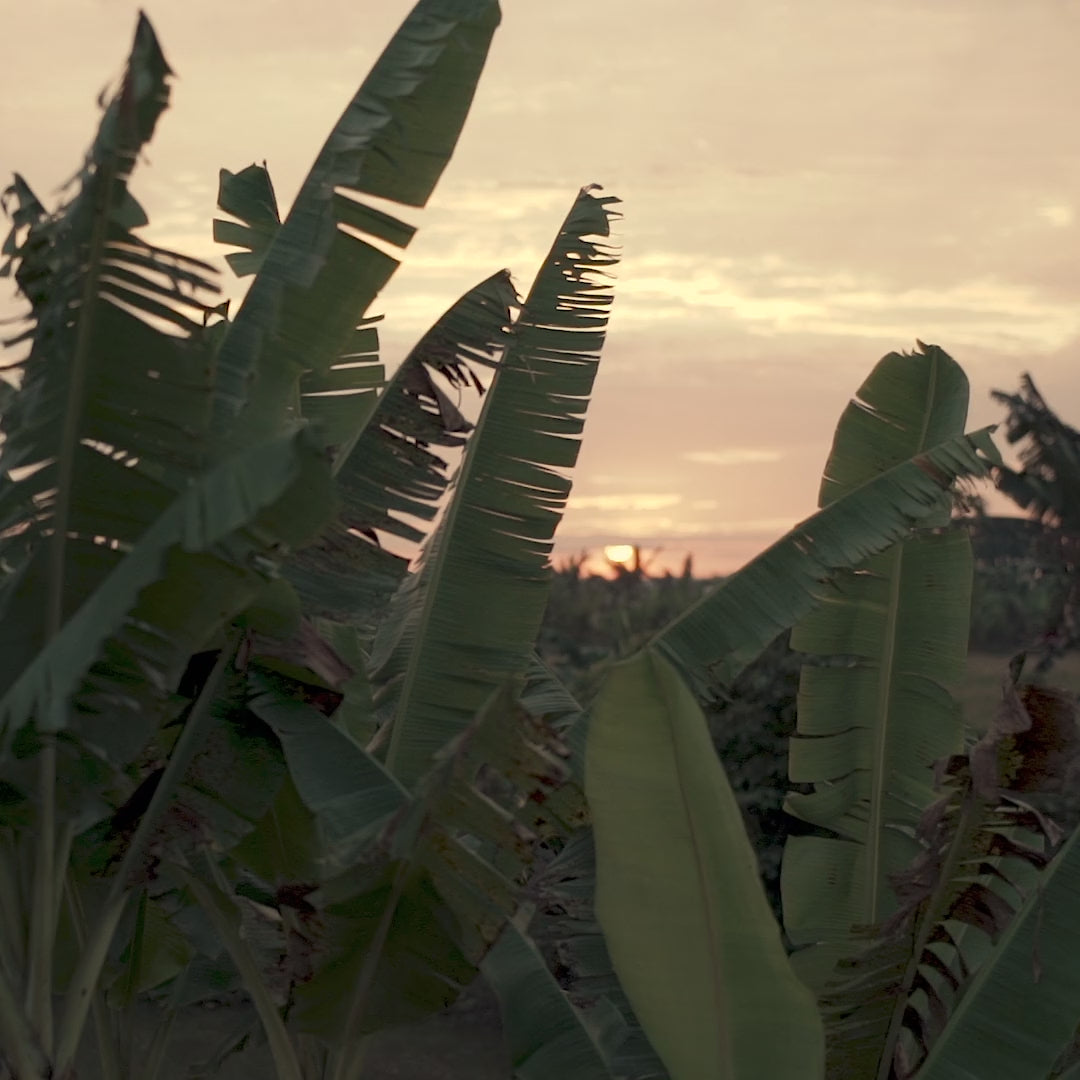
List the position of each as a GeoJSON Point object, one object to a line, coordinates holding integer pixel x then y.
{"type": "Point", "coordinates": [1019, 590]}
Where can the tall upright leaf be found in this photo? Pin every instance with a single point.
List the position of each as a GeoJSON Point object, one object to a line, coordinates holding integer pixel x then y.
{"type": "Point", "coordinates": [874, 719]}
{"type": "Point", "coordinates": [391, 476]}
{"type": "Point", "coordinates": [108, 421]}
{"type": "Point", "coordinates": [981, 850]}
{"type": "Point", "coordinates": [318, 276]}
{"type": "Point", "coordinates": [467, 620]}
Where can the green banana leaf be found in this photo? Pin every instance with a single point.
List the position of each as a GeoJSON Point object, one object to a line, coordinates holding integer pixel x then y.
{"type": "Point", "coordinates": [564, 929]}
{"type": "Point", "coordinates": [110, 417]}
{"type": "Point", "coordinates": [685, 916]}
{"type": "Point", "coordinates": [399, 931]}
{"type": "Point", "coordinates": [1020, 1011]}
{"type": "Point", "coordinates": [981, 854]}
{"type": "Point", "coordinates": [349, 793]}
{"type": "Point", "coordinates": [200, 563]}
{"type": "Point", "coordinates": [875, 711]}
{"type": "Point", "coordinates": [339, 397]}
{"type": "Point", "coordinates": [730, 626]}
{"type": "Point", "coordinates": [467, 620]}
{"type": "Point", "coordinates": [222, 912]}
{"type": "Point", "coordinates": [249, 197]}
{"type": "Point", "coordinates": [390, 475]}
{"type": "Point", "coordinates": [317, 276]}
{"type": "Point", "coordinates": [546, 1035]}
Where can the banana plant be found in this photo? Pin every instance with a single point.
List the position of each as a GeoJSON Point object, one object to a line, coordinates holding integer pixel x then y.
{"type": "Point", "coordinates": [296, 331]}
{"type": "Point", "coordinates": [158, 467]}
{"type": "Point", "coordinates": [875, 709]}
{"type": "Point", "coordinates": [921, 935]}
{"type": "Point", "coordinates": [468, 618]}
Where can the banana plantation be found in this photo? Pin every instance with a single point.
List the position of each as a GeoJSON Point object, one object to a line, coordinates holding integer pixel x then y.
{"type": "Point", "coordinates": [273, 722]}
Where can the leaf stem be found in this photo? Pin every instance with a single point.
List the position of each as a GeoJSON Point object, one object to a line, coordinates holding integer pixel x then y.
{"type": "Point", "coordinates": [12, 922]}
{"type": "Point", "coordinates": [46, 899]}
{"type": "Point", "coordinates": [92, 958]}
{"type": "Point", "coordinates": [21, 1049]}
{"type": "Point", "coordinates": [220, 908]}
{"type": "Point", "coordinates": [103, 1029]}
{"type": "Point", "coordinates": [349, 1065]}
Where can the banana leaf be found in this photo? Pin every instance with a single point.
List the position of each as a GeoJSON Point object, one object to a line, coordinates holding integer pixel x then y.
{"type": "Point", "coordinates": [730, 626]}
{"type": "Point", "coordinates": [110, 418]}
{"type": "Point", "coordinates": [339, 397]}
{"type": "Point", "coordinates": [399, 932]}
{"type": "Point", "coordinates": [875, 709]}
{"type": "Point", "coordinates": [467, 620]}
{"type": "Point", "coordinates": [683, 910]}
{"type": "Point", "coordinates": [318, 275]}
{"type": "Point", "coordinates": [390, 474]}
{"type": "Point", "coordinates": [545, 1033]}
{"type": "Point", "coordinates": [1020, 1011]}
{"type": "Point", "coordinates": [214, 540]}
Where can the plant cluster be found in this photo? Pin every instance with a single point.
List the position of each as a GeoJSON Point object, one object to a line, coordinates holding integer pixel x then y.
{"type": "Point", "coordinates": [245, 745]}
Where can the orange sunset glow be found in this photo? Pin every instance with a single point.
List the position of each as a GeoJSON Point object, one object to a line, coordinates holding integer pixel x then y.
{"type": "Point", "coordinates": [805, 188]}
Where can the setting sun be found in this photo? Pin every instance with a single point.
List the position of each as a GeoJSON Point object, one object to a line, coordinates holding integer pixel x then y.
{"type": "Point", "coordinates": [623, 554]}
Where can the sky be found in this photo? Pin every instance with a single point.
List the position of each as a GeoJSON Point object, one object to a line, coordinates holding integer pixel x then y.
{"type": "Point", "coordinates": [805, 188]}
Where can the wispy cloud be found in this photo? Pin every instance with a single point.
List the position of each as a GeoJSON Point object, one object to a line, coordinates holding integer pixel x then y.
{"type": "Point", "coordinates": [771, 296]}
{"type": "Point", "coordinates": [735, 456]}
{"type": "Point", "coordinates": [1060, 215]}
{"type": "Point", "coordinates": [641, 529]}
{"type": "Point", "coordinates": [616, 503]}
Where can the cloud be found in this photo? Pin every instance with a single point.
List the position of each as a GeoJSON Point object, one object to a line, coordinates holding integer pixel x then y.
{"type": "Point", "coordinates": [1060, 215]}
{"type": "Point", "coordinates": [616, 503]}
{"type": "Point", "coordinates": [734, 456]}
{"type": "Point", "coordinates": [652, 529]}
{"type": "Point", "coordinates": [770, 296]}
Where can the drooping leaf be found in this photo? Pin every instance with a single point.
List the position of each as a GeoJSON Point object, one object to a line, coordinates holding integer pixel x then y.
{"type": "Point", "coordinates": [545, 1033]}
{"type": "Point", "coordinates": [211, 542]}
{"type": "Point", "coordinates": [685, 916]}
{"type": "Point", "coordinates": [467, 620]}
{"type": "Point", "coordinates": [1020, 1010]}
{"type": "Point", "coordinates": [733, 623]}
{"type": "Point", "coordinates": [348, 792]}
{"type": "Point", "coordinates": [414, 913]}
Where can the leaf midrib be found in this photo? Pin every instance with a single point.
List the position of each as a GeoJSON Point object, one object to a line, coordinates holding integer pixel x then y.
{"type": "Point", "coordinates": [877, 823]}
{"type": "Point", "coordinates": [723, 1040]}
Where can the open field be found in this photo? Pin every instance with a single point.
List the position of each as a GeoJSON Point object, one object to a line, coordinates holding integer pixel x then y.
{"type": "Point", "coordinates": [981, 691]}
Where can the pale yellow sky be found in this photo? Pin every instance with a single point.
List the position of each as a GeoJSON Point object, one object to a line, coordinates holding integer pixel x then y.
{"type": "Point", "coordinates": [806, 187]}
